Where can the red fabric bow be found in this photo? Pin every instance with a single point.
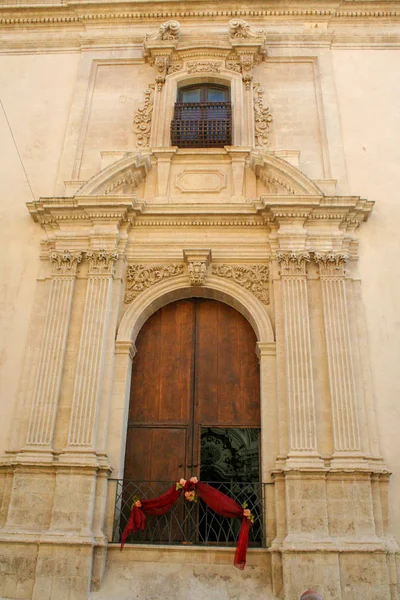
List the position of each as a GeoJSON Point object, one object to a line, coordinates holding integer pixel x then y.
{"type": "Point", "coordinates": [216, 500]}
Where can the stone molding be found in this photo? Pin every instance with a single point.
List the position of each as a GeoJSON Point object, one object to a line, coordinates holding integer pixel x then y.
{"type": "Point", "coordinates": [254, 277]}
{"type": "Point", "coordinates": [139, 277]}
{"type": "Point", "coordinates": [28, 15]}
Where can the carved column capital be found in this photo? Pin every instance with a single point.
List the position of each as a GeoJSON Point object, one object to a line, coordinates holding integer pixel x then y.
{"type": "Point", "coordinates": [197, 263]}
{"type": "Point", "coordinates": [330, 264]}
{"type": "Point", "coordinates": [65, 263]}
{"type": "Point", "coordinates": [101, 262]}
{"type": "Point", "coordinates": [293, 263]}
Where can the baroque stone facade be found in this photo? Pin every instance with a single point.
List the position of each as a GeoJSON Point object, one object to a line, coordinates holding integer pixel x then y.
{"type": "Point", "coordinates": [124, 223]}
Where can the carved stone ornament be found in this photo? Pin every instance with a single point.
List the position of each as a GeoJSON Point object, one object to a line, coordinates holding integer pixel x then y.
{"type": "Point", "coordinates": [161, 64]}
{"type": "Point", "coordinates": [262, 118]}
{"type": "Point", "coordinates": [174, 68]}
{"type": "Point", "coordinates": [293, 263]}
{"type": "Point", "coordinates": [141, 277]}
{"type": "Point", "coordinates": [239, 29]}
{"type": "Point", "coordinates": [203, 67]}
{"type": "Point", "coordinates": [330, 264]}
{"type": "Point", "coordinates": [65, 263]}
{"type": "Point", "coordinates": [197, 273]}
{"type": "Point", "coordinates": [101, 262]}
{"type": "Point", "coordinates": [142, 120]}
{"type": "Point", "coordinates": [254, 278]}
{"type": "Point", "coordinates": [168, 31]}
{"type": "Point", "coordinates": [197, 263]}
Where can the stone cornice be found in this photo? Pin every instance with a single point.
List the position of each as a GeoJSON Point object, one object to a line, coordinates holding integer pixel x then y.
{"type": "Point", "coordinates": [55, 211]}
{"type": "Point", "coordinates": [85, 11]}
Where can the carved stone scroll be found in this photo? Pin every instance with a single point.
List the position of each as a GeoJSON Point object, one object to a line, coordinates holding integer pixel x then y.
{"type": "Point", "coordinates": [140, 277]}
{"type": "Point", "coordinates": [240, 29]}
{"type": "Point", "coordinates": [142, 120]}
{"type": "Point", "coordinates": [254, 278]}
{"type": "Point", "coordinates": [262, 118]}
{"type": "Point", "coordinates": [168, 31]}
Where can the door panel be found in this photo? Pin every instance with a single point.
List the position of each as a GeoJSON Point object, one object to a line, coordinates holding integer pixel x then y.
{"type": "Point", "coordinates": [195, 366]}
{"type": "Point", "coordinates": [161, 370]}
{"type": "Point", "coordinates": [227, 388]}
{"type": "Point", "coordinates": [155, 454]}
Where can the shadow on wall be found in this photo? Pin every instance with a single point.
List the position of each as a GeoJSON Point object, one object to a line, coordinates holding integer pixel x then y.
{"type": "Point", "coordinates": [311, 595]}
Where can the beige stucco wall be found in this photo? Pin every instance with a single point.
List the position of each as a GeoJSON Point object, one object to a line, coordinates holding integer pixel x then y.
{"type": "Point", "coordinates": [36, 93]}
{"type": "Point", "coordinates": [65, 108]}
{"type": "Point", "coordinates": [368, 88]}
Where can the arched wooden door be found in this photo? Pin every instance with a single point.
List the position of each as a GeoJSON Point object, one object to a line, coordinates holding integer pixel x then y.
{"type": "Point", "coordinates": [194, 377]}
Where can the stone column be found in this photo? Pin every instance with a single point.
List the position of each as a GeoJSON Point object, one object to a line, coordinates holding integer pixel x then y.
{"type": "Point", "coordinates": [346, 434]}
{"type": "Point", "coordinates": [51, 358]}
{"type": "Point", "coordinates": [91, 350]}
{"type": "Point", "coordinates": [300, 389]}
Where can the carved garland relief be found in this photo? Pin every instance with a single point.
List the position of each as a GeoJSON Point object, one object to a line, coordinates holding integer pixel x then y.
{"type": "Point", "coordinates": [254, 278]}
{"type": "Point", "coordinates": [142, 120]}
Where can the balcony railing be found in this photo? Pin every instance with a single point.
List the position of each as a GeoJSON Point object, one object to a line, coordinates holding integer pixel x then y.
{"type": "Point", "coordinates": [186, 522]}
{"type": "Point", "coordinates": [202, 125]}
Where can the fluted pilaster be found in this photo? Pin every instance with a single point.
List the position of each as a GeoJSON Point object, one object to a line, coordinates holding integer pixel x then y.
{"type": "Point", "coordinates": [51, 358]}
{"type": "Point", "coordinates": [340, 362]}
{"type": "Point", "coordinates": [91, 348]}
{"type": "Point", "coordinates": [300, 387]}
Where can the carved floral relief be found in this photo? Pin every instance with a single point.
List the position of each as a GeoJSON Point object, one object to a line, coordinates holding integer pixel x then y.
{"type": "Point", "coordinates": [254, 278]}
{"type": "Point", "coordinates": [142, 120]}
{"type": "Point", "coordinates": [140, 277]}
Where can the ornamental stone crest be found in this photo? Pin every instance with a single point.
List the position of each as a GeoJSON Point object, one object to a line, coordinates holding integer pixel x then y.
{"type": "Point", "coordinates": [140, 277]}
{"type": "Point", "coordinates": [254, 278]}
{"type": "Point", "coordinates": [262, 118]}
{"type": "Point", "coordinates": [197, 264]}
{"type": "Point", "coordinates": [142, 120]}
{"type": "Point", "coordinates": [293, 263]}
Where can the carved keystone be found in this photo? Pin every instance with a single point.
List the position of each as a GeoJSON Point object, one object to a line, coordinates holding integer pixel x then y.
{"type": "Point", "coordinates": [197, 263]}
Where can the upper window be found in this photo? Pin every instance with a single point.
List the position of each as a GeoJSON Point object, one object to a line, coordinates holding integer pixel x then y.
{"type": "Point", "coordinates": [202, 117]}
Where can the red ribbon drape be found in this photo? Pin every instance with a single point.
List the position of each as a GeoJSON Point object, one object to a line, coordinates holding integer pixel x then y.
{"type": "Point", "coordinates": [227, 507]}
{"type": "Point", "coordinates": [216, 500]}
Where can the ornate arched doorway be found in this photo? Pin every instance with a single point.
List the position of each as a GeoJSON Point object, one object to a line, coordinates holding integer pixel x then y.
{"type": "Point", "coordinates": [195, 396]}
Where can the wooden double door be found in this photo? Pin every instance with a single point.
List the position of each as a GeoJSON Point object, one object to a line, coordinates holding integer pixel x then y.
{"type": "Point", "coordinates": [195, 371]}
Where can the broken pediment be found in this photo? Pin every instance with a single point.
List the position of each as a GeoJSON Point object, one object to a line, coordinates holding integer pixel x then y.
{"type": "Point", "coordinates": [125, 177]}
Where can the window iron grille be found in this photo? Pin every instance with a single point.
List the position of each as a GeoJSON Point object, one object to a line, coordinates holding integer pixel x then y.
{"type": "Point", "coordinates": [202, 125]}
{"type": "Point", "coordinates": [190, 523]}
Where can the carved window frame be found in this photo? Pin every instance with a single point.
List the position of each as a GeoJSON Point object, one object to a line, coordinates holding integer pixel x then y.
{"type": "Point", "coordinates": [242, 105]}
